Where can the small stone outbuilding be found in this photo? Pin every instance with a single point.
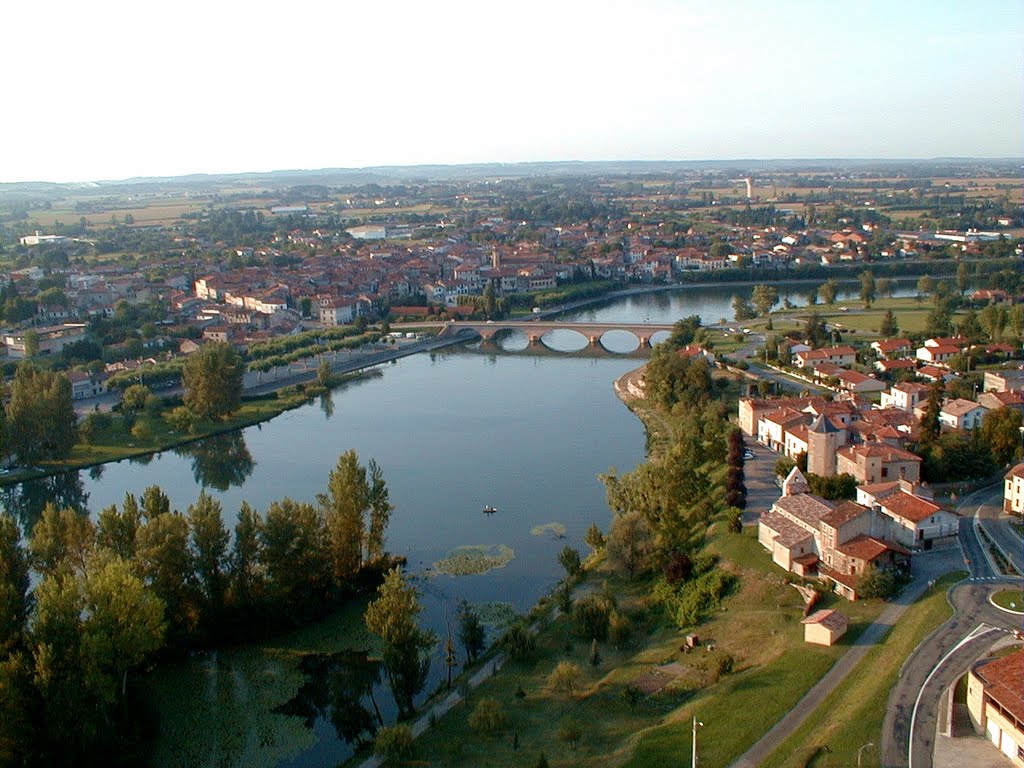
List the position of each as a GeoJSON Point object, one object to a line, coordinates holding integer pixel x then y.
{"type": "Point", "coordinates": [825, 627]}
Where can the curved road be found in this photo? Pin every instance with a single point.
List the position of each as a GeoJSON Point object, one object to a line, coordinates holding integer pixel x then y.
{"type": "Point", "coordinates": [912, 712]}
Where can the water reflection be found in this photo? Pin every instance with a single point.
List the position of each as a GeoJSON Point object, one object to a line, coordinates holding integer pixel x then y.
{"type": "Point", "coordinates": [26, 500]}
{"type": "Point", "coordinates": [221, 461]}
{"type": "Point", "coordinates": [339, 687]}
{"type": "Point", "coordinates": [327, 404]}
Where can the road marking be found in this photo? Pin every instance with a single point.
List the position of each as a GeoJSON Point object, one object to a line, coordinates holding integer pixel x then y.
{"type": "Point", "coordinates": [977, 632]}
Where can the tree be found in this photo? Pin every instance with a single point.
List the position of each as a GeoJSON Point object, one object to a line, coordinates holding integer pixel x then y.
{"type": "Point", "coordinates": [764, 297]}
{"type": "Point", "coordinates": [380, 512]}
{"type": "Point", "coordinates": [392, 616]}
{"type": "Point", "coordinates": [569, 559]}
{"type": "Point", "coordinates": [165, 562]}
{"type": "Point", "coordinates": [594, 538]}
{"type": "Point", "coordinates": [296, 559]}
{"type": "Point", "coordinates": [963, 277]}
{"type": "Point", "coordinates": [14, 584]}
{"type": "Point", "coordinates": [868, 289]}
{"type": "Point", "coordinates": [124, 625]}
{"type": "Point", "coordinates": [925, 286]}
{"type": "Point", "coordinates": [994, 318]}
{"type": "Point", "coordinates": [134, 398]}
{"type": "Point", "coordinates": [930, 425]}
{"type": "Point", "coordinates": [877, 582]}
{"type": "Point", "coordinates": [829, 290]}
{"type": "Point", "coordinates": [812, 295]}
{"type": "Point", "coordinates": [245, 558]}
{"type": "Point", "coordinates": [323, 373]}
{"type": "Point", "coordinates": [116, 530]}
{"type": "Point", "coordinates": [742, 310]}
{"type": "Point", "coordinates": [471, 631]}
{"type": "Point", "coordinates": [1000, 431]}
{"type": "Point", "coordinates": [565, 678]}
{"type": "Point", "coordinates": [155, 503]}
{"type": "Point", "coordinates": [630, 543]}
{"type": "Point", "coordinates": [40, 418]}
{"type": "Point", "coordinates": [213, 381]}
{"type": "Point", "coordinates": [62, 539]}
{"type": "Point", "coordinates": [345, 505]}
{"type": "Point", "coordinates": [209, 552]}
{"type": "Point", "coordinates": [393, 743]}
{"type": "Point", "coordinates": [31, 340]}
{"type": "Point", "coordinates": [889, 328]}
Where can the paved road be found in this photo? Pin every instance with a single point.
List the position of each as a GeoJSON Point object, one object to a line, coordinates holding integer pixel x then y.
{"type": "Point", "coordinates": [912, 711]}
{"type": "Point", "coordinates": [990, 516]}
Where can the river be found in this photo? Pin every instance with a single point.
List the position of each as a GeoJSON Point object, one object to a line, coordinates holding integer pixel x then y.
{"type": "Point", "coordinates": [453, 431]}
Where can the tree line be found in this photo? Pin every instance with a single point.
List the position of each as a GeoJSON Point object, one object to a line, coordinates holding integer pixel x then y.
{"type": "Point", "coordinates": [144, 581]}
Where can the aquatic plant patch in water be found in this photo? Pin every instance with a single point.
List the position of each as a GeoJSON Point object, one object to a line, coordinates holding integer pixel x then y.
{"type": "Point", "coordinates": [496, 616]}
{"type": "Point", "coordinates": [475, 559]}
{"type": "Point", "coordinates": [554, 530]}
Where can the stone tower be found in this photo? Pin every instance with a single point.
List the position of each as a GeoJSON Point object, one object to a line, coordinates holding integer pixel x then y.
{"type": "Point", "coordinates": [822, 444]}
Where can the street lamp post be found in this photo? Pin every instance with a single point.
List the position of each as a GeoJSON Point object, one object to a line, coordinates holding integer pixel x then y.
{"type": "Point", "coordinates": [860, 751]}
{"type": "Point", "coordinates": [693, 759]}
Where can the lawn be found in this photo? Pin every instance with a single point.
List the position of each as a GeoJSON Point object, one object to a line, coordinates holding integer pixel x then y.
{"type": "Point", "coordinates": [863, 695]}
{"type": "Point", "coordinates": [1011, 599]}
{"type": "Point", "coordinates": [758, 628]}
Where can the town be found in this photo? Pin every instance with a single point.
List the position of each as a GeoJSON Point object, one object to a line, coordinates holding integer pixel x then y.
{"type": "Point", "coordinates": [824, 460]}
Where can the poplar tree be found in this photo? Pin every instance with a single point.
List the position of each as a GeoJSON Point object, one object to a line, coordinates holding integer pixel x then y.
{"type": "Point", "coordinates": [344, 506]}
{"type": "Point", "coordinates": [209, 552]}
{"type": "Point", "coordinates": [380, 512]}
{"type": "Point", "coordinates": [213, 381]}
{"type": "Point", "coordinates": [392, 616]}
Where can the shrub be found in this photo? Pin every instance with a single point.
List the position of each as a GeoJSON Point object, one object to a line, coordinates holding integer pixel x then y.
{"type": "Point", "coordinates": [518, 641]}
{"type": "Point", "coordinates": [566, 678]}
{"type": "Point", "coordinates": [393, 742]}
{"type": "Point", "coordinates": [701, 596]}
{"type": "Point", "coordinates": [679, 567]}
{"type": "Point", "coordinates": [591, 617]}
{"type": "Point", "coordinates": [488, 717]}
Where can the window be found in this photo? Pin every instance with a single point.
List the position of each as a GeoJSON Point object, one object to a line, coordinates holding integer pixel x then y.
{"type": "Point", "coordinates": [885, 471]}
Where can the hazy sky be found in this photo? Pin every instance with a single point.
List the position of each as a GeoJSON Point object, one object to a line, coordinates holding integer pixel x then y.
{"type": "Point", "coordinates": [109, 89]}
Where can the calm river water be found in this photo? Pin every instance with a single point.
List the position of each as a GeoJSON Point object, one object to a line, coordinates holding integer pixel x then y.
{"type": "Point", "coordinates": [453, 431]}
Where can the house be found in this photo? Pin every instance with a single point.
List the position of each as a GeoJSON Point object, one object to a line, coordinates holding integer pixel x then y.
{"type": "Point", "coordinates": [995, 702]}
{"type": "Point", "coordinates": [1004, 381]}
{"type": "Point", "coordinates": [854, 381]}
{"type": "Point", "coordinates": [891, 367]}
{"type": "Point", "coordinates": [934, 373]}
{"type": "Point", "coordinates": [810, 536]}
{"type": "Point", "coordinates": [962, 414]}
{"type": "Point", "coordinates": [892, 348]}
{"type": "Point", "coordinates": [85, 385]}
{"type": "Point", "coordinates": [1013, 491]}
{"type": "Point", "coordinates": [825, 627]}
{"type": "Point", "coordinates": [52, 339]}
{"type": "Point", "coordinates": [843, 355]}
{"type": "Point", "coordinates": [996, 400]}
{"type": "Point", "coordinates": [905, 396]}
{"type": "Point", "coordinates": [877, 462]}
{"type": "Point", "coordinates": [914, 519]}
{"type": "Point", "coordinates": [936, 354]}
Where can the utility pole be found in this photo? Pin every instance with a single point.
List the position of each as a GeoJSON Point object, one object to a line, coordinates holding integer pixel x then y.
{"type": "Point", "coordinates": [693, 760]}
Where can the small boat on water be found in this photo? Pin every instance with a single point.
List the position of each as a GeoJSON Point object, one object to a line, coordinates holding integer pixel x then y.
{"type": "Point", "coordinates": [489, 510]}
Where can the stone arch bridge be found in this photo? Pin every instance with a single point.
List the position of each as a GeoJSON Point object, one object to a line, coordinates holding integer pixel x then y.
{"type": "Point", "coordinates": [536, 329]}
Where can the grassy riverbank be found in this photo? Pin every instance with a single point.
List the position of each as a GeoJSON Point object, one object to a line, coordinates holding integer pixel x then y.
{"type": "Point", "coordinates": [147, 433]}
{"type": "Point", "coordinates": [862, 696]}
{"type": "Point", "coordinates": [754, 643]}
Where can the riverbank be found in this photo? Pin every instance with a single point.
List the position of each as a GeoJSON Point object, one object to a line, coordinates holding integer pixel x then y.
{"type": "Point", "coordinates": [260, 404]}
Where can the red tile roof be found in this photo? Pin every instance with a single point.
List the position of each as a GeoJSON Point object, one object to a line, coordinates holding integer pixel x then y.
{"type": "Point", "coordinates": [912, 508]}
{"type": "Point", "coordinates": [1004, 682]}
